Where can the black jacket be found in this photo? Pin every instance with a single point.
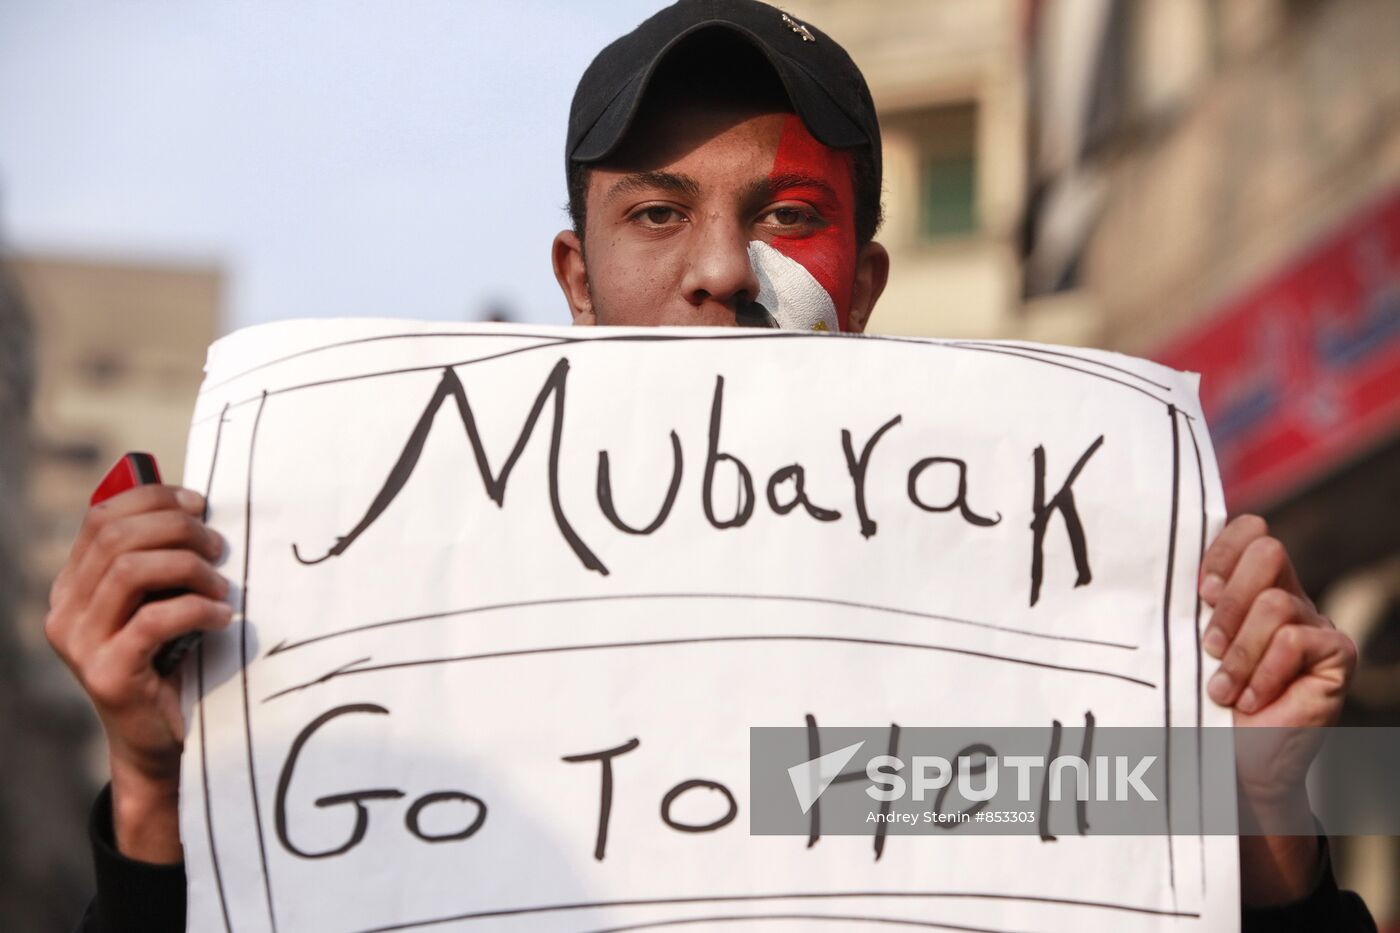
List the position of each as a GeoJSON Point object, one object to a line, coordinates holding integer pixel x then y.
{"type": "Point", "coordinates": [138, 897]}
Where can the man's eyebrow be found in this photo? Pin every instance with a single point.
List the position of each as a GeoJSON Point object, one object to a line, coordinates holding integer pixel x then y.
{"type": "Point", "coordinates": [774, 185]}
{"type": "Point", "coordinates": [670, 182]}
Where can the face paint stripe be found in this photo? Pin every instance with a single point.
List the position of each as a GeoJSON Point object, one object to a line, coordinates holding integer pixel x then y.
{"type": "Point", "coordinates": [829, 254]}
{"type": "Point", "coordinates": [789, 293]}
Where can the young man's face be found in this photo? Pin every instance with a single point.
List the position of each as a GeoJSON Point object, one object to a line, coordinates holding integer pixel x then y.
{"type": "Point", "coordinates": [699, 195]}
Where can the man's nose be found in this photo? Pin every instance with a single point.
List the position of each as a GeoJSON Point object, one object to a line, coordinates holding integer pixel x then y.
{"type": "Point", "coordinates": [718, 269]}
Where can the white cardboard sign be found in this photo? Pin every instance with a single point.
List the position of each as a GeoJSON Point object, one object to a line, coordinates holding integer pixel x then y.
{"type": "Point", "coordinates": [469, 559]}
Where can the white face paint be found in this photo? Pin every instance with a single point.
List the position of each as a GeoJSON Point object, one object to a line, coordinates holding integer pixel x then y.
{"type": "Point", "coordinates": [789, 293]}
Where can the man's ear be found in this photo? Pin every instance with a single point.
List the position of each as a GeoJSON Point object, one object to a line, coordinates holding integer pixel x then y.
{"type": "Point", "coordinates": [572, 275]}
{"type": "Point", "coordinates": [872, 272]}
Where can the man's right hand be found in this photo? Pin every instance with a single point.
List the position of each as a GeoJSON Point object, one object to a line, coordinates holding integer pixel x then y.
{"type": "Point", "coordinates": [141, 541]}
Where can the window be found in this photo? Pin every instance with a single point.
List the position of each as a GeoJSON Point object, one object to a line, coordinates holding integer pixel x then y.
{"type": "Point", "coordinates": [944, 141]}
{"type": "Point", "coordinates": [947, 195]}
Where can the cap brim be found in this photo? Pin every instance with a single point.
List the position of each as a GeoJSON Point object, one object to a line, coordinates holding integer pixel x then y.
{"type": "Point", "coordinates": [818, 111]}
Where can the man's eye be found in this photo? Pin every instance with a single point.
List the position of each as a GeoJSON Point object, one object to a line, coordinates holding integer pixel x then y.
{"type": "Point", "coordinates": [658, 216]}
{"type": "Point", "coordinates": [790, 217]}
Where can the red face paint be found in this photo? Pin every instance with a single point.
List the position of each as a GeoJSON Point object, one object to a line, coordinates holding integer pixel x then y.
{"type": "Point", "coordinates": [828, 253]}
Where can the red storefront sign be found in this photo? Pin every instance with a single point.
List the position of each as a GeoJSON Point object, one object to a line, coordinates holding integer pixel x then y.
{"type": "Point", "coordinates": [1302, 370]}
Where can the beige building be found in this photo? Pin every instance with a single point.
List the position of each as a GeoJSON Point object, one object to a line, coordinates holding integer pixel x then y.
{"type": "Point", "coordinates": [1256, 152]}
{"type": "Point", "coordinates": [946, 79]}
{"type": "Point", "coordinates": [1214, 183]}
{"type": "Point", "coordinates": [118, 351]}
{"type": "Point", "coordinates": [1164, 153]}
{"type": "Point", "coordinates": [96, 358]}
{"type": "Point", "coordinates": [1247, 130]}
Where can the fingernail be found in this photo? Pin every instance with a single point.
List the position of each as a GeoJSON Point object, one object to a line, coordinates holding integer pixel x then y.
{"type": "Point", "coordinates": [189, 499]}
{"type": "Point", "coordinates": [1215, 642]}
{"type": "Point", "coordinates": [1211, 587]}
{"type": "Point", "coordinates": [1247, 701]}
{"type": "Point", "coordinates": [216, 541]}
{"type": "Point", "coordinates": [224, 585]}
{"type": "Point", "coordinates": [1219, 687]}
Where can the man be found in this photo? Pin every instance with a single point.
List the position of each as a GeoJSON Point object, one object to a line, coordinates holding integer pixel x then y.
{"type": "Point", "coordinates": [724, 169]}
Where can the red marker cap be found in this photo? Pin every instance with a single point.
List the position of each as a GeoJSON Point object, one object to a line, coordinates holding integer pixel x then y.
{"type": "Point", "coordinates": [133, 469]}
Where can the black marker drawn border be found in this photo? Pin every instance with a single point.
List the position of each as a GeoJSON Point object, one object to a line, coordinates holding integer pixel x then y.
{"type": "Point", "coordinates": [839, 918]}
{"type": "Point", "coordinates": [1172, 544]}
{"type": "Point", "coordinates": [808, 895]}
{"type": "Point", "coordinates": [348, 669]}
{"type": "Point", "coordinates": [1196, 629]}
{"type": "Point", "coordinates": [750, 335]}
{"type": "Point", "coordinates": [243, 667]}
{"type": "Point", "coordinates": [1021, 351]}
{"type": "Point", "coordinates": [284, 646]}
{"type": "Point", "coordinates": [546, 342]}
{"type": "Point", "coordinates": [199, 688]}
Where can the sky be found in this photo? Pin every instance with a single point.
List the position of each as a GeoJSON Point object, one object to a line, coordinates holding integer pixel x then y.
{"type": "Point", "coordinates": [332, 157]}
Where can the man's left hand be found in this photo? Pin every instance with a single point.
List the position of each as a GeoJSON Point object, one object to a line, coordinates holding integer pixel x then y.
{"type": "Point", "coordinates": [1283, 663]}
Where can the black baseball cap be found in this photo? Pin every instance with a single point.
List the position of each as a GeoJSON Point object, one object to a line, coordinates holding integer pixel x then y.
{"type": "Point", "coordinates": [824, 86]}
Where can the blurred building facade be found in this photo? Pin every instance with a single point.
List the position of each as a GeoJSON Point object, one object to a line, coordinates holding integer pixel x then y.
{"type": "Point", "coordinates": [119, 348]}
{"type": "Point", "coordinates": [39, 878]}
{"type": "Point", "coordinates": [1229, 203]}
{"type": "Point", "coordinates": [946, 77]}
{"type": "Point", "coordinates": [96, 358]}
{"type": "Point", "coordinates": [1214, 184]}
